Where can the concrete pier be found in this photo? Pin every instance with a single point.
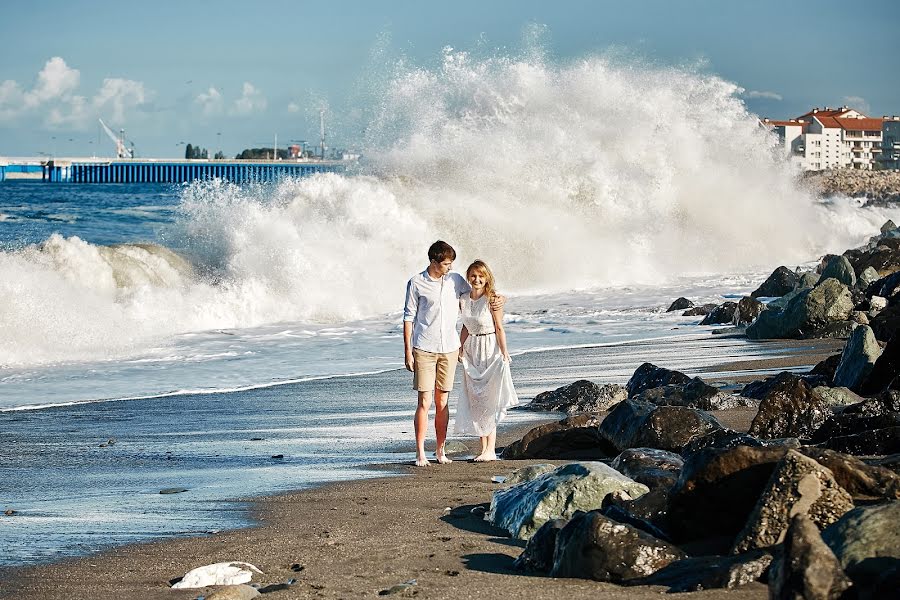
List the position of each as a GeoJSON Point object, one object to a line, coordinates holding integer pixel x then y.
{"type": "Point", "coordinates": [180, 171]}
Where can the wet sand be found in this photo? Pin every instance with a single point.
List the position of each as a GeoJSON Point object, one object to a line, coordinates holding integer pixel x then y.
{"type": "Point", "coordinates": [355, 539]}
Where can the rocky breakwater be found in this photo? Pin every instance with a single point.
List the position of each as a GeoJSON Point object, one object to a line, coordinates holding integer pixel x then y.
{"type": "Point", "coordinates": [808, 500]}
{"type": "Point", "coordinates": [860, 287]}
{"type": "Point", "coordinates": [877, 186]}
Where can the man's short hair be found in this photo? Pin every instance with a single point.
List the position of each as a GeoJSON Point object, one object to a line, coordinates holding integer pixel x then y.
{"type": "Point", "coordinates": [441, 251]}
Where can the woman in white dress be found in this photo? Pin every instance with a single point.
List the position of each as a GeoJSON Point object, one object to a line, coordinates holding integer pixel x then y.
{"type": "Point", "coordinates": [487, 389]}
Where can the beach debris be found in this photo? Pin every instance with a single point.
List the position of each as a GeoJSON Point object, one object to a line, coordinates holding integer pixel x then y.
{"type": "Point", "coordinates": [173, 490]}
{"type": "Point", "coordinates": [399, 588]}
{"type": "Point", "coordinates": [498, 478]}
{"type": "Point", "coordinates": [109, 442]}
{"type": "Point", "coordinates": [278, 456]}
{"type": "Point", "coordinates": [521, 509]}
{"type": "Point", "coordinates": [256, 439]}
{"type": "Point", "coordinates": [234, 592]}
{"type": "Point", "coordinates": [297, 567]}
{"type": "Point", "coordinates": [223, 573]}
{"type": "Point", "coordinates": [9, 512]}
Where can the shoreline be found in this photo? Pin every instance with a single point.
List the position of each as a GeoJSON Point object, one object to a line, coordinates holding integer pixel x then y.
{"type": "Point", "coordinates": [356, 538]}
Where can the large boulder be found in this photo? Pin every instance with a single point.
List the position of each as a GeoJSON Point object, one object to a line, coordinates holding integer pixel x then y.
{"type": "Point", "coordinates": [592, 546]}
{"type": "Point", "coordinates": [839, 268]}
{"type": "Point", "coordinates": [865, 540]}
{"type": "Point", "coordinates": [710, 572]}
{"type": "Point", "coordinates": [798, 485]}
{"type": "Point", "coordinates": [537, 557]}
{"type": "Point", "coordinates": [635, 424]}
{"type": "Point", "coordinates": [575, 437]}
{"type": "Point", "coordinates": [867, 277]}
{"type": "Point", "coordinates": [805, 567]}
{"type": "Point", "coordinates": [864, 482]}
{"type": "Point", "coordinates": [719, 438]}
{"type": "Point", "coordinates": [521, 509]}
{"type": "Point", "coordinates": [861, 433]}
{"type": "Point", "coordinates": [837, 397]}
{"type": "Point", "coordinates": [649, 376]}
{"type": "Point", "coordinates": [680, 304]}
{"type": "Point", "coordinates": [885, 371]}
{"type": "Point", "coordinates": [650, 466]}
{"type": "Point", "coordinates": [694, 394]}
{"type": "Point", "coordinates": [886, 323]}
{"type": "Point", "coordinates": [717, 490]}
{"type": "Point", "coordinates": [789, 409]}
{"type": "Point", "coordinates": [858, 358]}
{"type": "Point", "coordinates": [579, 397]}
{"type": "Point", "coordinates": [724, 313]}
{"type": "Point", "coordinates": [620, 426]}
{"type": "Point", "coordinates": [748, 309]}
{"type": "Point", "coordinates": [698, 311]}
{"type": "Point", "coordinates": [780, 282]}
{"type": "Point", "coordinates": [649, 512]}
{"type": "Point", "coordinates": [811, 313]}
{"type": "Point", "coordinates": [884, 287]}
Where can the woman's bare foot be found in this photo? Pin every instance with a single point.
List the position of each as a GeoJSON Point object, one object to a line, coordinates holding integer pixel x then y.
{"type": "Point", "coordinates": [486, 457]}
{"type": "Point", "coordinates": [421, 461]}
{"type": "Point", "coordinates": [442, 458]}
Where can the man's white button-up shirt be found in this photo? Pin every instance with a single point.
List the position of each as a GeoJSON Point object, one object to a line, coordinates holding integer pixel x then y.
{"type": "Point", "coordinates": [433, 307]}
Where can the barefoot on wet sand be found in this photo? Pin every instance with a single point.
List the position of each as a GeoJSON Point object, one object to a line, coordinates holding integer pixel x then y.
{"type": "Point", "coordinates": [485, 457]}
{"type": "Point", "coordinates": [421, 461]}
{"type": "Point", "coordinates": [442, 459]}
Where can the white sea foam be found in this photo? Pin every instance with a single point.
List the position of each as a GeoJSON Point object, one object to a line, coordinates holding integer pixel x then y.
{"type": "Point", "coordinates": [587, 175]}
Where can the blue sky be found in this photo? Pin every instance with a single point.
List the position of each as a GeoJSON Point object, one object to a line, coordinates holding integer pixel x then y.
{"type": "Point", "coordinates": [230, 75]}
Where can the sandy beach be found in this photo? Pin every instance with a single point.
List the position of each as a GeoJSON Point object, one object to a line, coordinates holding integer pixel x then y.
{"type": "Point", "coordinates": [356, 539]}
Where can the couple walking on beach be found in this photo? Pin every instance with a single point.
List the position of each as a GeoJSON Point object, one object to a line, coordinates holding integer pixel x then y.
{"type": "Point", "coordinates": [435, 298]}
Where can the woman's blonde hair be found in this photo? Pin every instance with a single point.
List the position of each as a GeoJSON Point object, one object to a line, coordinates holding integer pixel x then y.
{"type": "Point", "coordinates": [481, 267]}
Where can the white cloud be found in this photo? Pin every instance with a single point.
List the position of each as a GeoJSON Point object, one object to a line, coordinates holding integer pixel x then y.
{"type": "Point", "coordinates": [251, 100]}
{"type": "Point", "coordinates": [56, 80]}
{"type": "Point", "coordinates": [210, 102]}
{"type": "Point", "coordinates": [857, 102]}
{"type": "Point", "coordinates": [55, 100]}
{"type": "Point", "coordinates": [766, 95]}
{"type": "Point", "coordinates": [119, 95]}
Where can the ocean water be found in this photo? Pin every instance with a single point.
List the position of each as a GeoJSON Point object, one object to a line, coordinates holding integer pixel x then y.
{"type": "Point", "coordinates": [206, 328]}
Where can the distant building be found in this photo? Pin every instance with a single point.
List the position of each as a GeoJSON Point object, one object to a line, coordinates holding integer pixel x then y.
{"type": "Point", "coordinates": [890, 143]}
{"type": "Point", "coordinates": [830, 138]}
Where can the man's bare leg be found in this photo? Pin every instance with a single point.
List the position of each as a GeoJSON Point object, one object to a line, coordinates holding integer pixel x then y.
{"type": "Point", "coordinates": [488, 448]}
{"type": "Point", "coordinates": [441, 421]}
{"type": "Point", "coordinates": [421, 425]}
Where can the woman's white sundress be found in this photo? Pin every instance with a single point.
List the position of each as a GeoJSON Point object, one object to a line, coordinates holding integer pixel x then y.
{"type": "Point", "coordinates": [487, 390]}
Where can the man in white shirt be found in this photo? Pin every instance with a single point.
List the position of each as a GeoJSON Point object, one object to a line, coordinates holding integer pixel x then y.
{"type": "Point", "coordinates": [432, 342]}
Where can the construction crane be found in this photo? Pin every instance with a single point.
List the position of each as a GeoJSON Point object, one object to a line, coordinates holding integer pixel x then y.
{"type": "Point", "coordinates": [121, 150]}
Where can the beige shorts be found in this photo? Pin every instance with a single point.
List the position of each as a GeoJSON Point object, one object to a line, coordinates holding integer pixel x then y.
{"type": "Point", "coordinates": [434, 371]}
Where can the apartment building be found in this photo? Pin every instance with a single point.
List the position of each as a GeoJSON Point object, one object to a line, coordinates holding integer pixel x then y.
{"type": "Point", "coordinates": [890, 143]}
{"type": "Point", "coordinates": [830, 138]}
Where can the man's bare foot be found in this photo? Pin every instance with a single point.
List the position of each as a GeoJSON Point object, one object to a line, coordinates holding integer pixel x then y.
{"type": "Point", "coordinates": [442, 459]}
{"type": "Point", "coordinates": [485, 457]}
{"type": "Point", "coordinates": [421, 461]}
